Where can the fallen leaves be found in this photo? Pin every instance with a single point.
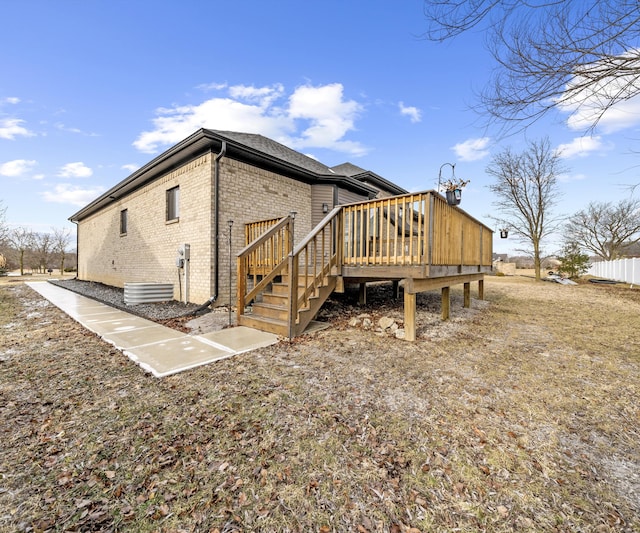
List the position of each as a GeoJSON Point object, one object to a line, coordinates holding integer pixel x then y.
{"type": "Point", "coordinates": [335, 432]}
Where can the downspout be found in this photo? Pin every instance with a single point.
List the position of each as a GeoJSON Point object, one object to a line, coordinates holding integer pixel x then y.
{"type": "Point", "coordinates": [216, 228]}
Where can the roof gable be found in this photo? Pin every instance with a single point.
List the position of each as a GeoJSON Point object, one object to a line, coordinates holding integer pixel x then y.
{"type": "Point", "coordinates": [348, 169]}
{"type": "Point", "coordinates": [368, 177]}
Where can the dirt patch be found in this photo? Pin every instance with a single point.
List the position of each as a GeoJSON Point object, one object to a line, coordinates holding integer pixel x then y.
{"type": "Point", "coordinates": [521, 413]}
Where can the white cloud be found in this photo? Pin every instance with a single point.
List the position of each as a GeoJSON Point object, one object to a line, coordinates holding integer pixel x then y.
{"type": "Point", "coordinates": [130, 167]}
{"type": "Point", "coordinates": [10, 128]}
{"type": "Point", "coordinates": [10, 100]}
{"type": "Point", "coordinates": [330, 117]}
{"type": "Point", "coordinates": [75, 170]}
{"type": "Point", "coordinates": [65, 193]}
{"type": "Point", "coordinates": [622, 115]}
{"type": "Point", "coordinates": [312, 117]}
{"type": "Point", "coordinates": [472, 149]}
{"type": "Point", "coordinates": [63, 127]}
{"type": "Point", "coordinates": [566, 178]}
{"type": "Point", "coordinates": [178, 123]}
{"type": "Point", "coordinates": [586, 107]}
{"type": "Point", "coordinates": [17, 167]}
{"type": "Point", "coordinates": [211, 86]}
{"type": "Point", "coordinates": [414, 114]}
{"type": "Point", "coordinates": [263, 96]}
{"type": "Point", "coordinates": [38, 176]}
{"type": "Point", "coordinates": [579, 147]}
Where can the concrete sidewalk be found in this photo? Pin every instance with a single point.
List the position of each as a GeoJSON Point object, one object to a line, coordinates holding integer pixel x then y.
{"type": "Point", "coordinates": [157, 349]}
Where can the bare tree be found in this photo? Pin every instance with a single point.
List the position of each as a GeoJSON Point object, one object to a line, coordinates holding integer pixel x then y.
{"type": "Point", "coordinates": [4, 227]}
{"type": "Point", "coordinates": [606, 229]}
{"type": "Point", "coordinates": [526, 187]}
{"type": "Point", "coordinates": [42, 245]}
{"type": "Point", "coordinates": [60, 243]}
{"type": "Point", "coordinates": [582, 56]}
{"type": "Point", "coordinates": [21, 240]}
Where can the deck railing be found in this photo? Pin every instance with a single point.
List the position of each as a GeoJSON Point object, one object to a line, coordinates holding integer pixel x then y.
{"type": "Point", "coordinates": [253, 230]}
{"type": "Point", "coordinates": [390, 231]}
{"type": "Point", "coordinates": [389, 238]}
{"type": "Point", "coordinates": [414, 229]}
{"type": "Point", "coordinates": [458, 238]}
{"type": "Point", "coordinates": [271, 251]}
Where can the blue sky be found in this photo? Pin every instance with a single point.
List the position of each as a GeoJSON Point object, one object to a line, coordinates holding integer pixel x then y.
{"type": "Point", "coordinates": [92, 90]}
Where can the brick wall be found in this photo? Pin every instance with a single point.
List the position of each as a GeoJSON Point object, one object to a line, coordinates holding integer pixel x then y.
{"type": "Point", "coordinates": [148, 251]}
{"type": "Point", "coordinates": [249, 194]}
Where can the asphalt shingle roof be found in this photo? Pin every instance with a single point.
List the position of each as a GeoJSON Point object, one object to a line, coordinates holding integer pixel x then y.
{"type": "Point", "coordinates": [275, 149]}
{"type": "Point", "coordinates": [348, 169]}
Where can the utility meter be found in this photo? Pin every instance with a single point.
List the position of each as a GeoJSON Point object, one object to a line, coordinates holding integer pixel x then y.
{"type": "Point", "coordinates": [184, 253]}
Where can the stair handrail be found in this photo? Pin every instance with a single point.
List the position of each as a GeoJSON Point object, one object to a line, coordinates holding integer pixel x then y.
{"type": "Point", "coordinates": [334, 259]}
{"type": "Point", "coordinates": [314, 232]}
{"type": "Point", "coordinates": [242, 296]}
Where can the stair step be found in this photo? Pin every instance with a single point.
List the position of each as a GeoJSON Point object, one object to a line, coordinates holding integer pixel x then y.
{"type": "Point", "coordinates": [267, 310]}
{"type": "Point", "coordinates": [282, 289]}
{"type": "Point", "coordinates": [279, 327]}
{"type": "Point", "coordinates": [275, 299]}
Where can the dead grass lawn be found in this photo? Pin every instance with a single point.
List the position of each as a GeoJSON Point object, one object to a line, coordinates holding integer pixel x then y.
{"type": "Point", "coordinates": [520, 414]}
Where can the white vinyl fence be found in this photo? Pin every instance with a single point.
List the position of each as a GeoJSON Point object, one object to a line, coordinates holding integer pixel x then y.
{"type": "Point", "coordinates": [627, 270]}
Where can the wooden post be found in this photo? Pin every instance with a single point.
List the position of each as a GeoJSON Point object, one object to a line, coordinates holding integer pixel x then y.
{"type": "Point", "coordinates": [446, 303]}
{"type": "Point", "coordinates": [293, 294]}
{"type": "Point", "coordinates": [480, 289]}
{"type": "Point", "coordinates": [242, 287]}
{"type": "Point", "coordinates": [396, 289]}
{"type": "Point", "coordinates": [467, 294]}
{"type": "Point", "coordinates": [362, 296]}
{"type": "Point", "coordinates": [409, 316]}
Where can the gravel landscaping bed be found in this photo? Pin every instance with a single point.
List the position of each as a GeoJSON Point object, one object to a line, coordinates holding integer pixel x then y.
{"type": "Point", "coordinates": [114, 297]}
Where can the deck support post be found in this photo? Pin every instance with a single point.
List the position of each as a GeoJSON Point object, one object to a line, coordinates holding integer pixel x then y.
{"type": "Point", "coordinates": [481, 289]}
{"type": "Point", "coordinates": [467, 295]}
{"type": "Point", "coordinates": [409, 316]}
{"type": "Point", "coordinates": [362, 295]}
{"type": "Point", "coordinates": [396, 289]}
{"type": "Point", "coordinates": [446, 303]}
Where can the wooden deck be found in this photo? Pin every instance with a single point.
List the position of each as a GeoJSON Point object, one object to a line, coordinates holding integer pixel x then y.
{"type": "Point", "coordinates": [415, 239]}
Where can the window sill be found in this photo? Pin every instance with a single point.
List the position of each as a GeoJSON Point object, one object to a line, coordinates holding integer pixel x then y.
{"type": "Point", "coordinates": [172, 221]}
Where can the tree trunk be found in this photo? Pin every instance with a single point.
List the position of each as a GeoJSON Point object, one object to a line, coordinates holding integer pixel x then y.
{"type": "Point", "coordinates": [536, 260]}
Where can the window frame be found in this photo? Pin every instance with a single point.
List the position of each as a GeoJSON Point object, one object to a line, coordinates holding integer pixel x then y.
{"type": "Point", "coordinates": [124, 221]}
{"type": "Point", "coordinates": [172, 211]}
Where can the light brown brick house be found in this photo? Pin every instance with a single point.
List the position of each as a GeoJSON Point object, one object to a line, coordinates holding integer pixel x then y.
{"type": "Point", "coordinates": [188, 195]}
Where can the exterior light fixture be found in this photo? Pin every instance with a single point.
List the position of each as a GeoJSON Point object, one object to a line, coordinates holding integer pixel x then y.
{"type": "Point", "coordinates": [230, 222]}
{"type": "Point", "coordinates": [504, 233]}
{"type": "Point", "coordinates": [325, 208]}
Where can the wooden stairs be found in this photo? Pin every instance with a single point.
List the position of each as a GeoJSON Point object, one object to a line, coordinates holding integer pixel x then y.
{"type": "Point", "coordinates": [284, 287]}
{"type": "Point", "coordinates": [272, 312]}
